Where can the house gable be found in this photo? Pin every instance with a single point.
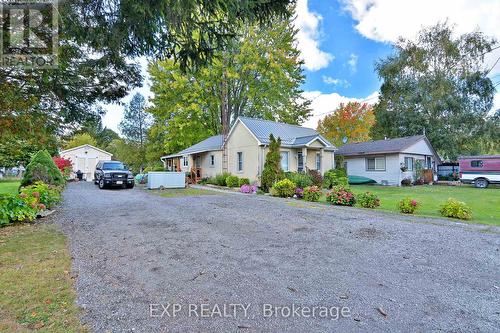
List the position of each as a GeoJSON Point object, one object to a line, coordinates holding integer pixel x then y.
{"type": "Point", "coordinates": [422, 147]}
{"type": "Point", "coordinates": [83, 148]}
{"type": "Point", "coordinates": [240, 136]}
{"type": "Point", "coordinates": [316, 143]}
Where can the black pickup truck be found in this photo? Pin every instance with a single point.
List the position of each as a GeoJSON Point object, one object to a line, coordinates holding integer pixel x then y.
{"type": "Point", "coordinates": [113, 173]}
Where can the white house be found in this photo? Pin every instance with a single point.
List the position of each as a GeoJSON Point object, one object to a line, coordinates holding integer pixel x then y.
{"type": "Point", "coordinates": [85, 158]}
{"type": "Point", "coordinates": [389, 161]}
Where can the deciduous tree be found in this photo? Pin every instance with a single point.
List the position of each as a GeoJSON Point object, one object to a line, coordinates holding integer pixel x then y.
{"type": "Point", "coordinates": [352, 121]}
{"type": "Point", "coordinates": [437, 85]}
{"type": "Point", "coordinates": [257, 75]}
{"type": "Point", "coordinates": [81, 139]}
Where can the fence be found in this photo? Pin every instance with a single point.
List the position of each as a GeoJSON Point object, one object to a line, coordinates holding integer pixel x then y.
{"type": "Point", "coordinates": [447, 171]}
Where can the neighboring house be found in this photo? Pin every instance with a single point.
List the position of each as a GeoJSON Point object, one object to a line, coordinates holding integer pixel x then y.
{"type": "Point", "coordinates": [389, 161]}
{"type": "Point", "coordinates": [246, 147]}
{"type": "Point", "coordinates": [85, 158]}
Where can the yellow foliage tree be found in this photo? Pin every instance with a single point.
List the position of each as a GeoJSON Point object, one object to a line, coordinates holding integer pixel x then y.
{"type": "Point", "coordinates": [81, 139]}
{"type": "Point", "coordinates": [352, 121]}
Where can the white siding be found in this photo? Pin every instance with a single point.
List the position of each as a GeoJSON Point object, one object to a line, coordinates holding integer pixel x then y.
{"type": "Point", "coordinates": [356, 166]}
{"type": "Point", "coordinates": [85, 158]}
{"type": "Point", "coordinates": [421, 148]}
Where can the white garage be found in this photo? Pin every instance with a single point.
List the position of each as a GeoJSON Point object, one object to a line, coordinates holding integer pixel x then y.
{"type": "Point", "coordinates": [85, 158]}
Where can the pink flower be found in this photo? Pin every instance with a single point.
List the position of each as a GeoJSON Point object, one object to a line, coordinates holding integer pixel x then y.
{"type": "Point", "coordinates": [414, 203]}
{"type": "Point", "coordinates": [36, 194]}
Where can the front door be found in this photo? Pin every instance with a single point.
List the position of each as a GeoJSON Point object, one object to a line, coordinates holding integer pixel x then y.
{"type": "Point", "coordinates": [300, 162]}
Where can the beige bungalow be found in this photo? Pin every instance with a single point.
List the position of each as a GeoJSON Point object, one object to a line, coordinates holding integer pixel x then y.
{"type": "Point", "coordinates": [244, 151]}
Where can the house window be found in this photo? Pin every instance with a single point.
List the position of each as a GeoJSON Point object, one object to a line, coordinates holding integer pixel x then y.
{"type": "Point", "coordinates": [185, 161]}
{"type": "Point", "coordinates": [476, 164]}
{"type": "Point", "coordinates": [409, 163]}
{"type": "Point", "coordinates": [429, 162]}
{"type": "Point", "coordinates": [318, 161]}
{"type": "Point", "coordinates": [212, 160]}
{"type": "Point", "coordinates": [375, 163]}
{"type": "Point", "coordinates": [284, 160]}
{"type": "Point", "coordinates": [240, 161]}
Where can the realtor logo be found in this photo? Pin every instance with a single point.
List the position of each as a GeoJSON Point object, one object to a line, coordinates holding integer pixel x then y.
{"type": "Point", "coordinates": [29, 36]}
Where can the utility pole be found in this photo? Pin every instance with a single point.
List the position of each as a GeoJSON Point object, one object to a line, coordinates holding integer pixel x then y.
{"type": "Point", "coordinates": [224, 117]}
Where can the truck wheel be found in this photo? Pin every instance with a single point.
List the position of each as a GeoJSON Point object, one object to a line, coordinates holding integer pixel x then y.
{"type": "Point", "coordinates": [481, 183]}
{"type": "Point", "coordinates": [101, 184]}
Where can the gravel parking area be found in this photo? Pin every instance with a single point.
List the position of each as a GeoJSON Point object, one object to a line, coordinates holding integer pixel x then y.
{"type": "Point", "coordinates": [135, 253]}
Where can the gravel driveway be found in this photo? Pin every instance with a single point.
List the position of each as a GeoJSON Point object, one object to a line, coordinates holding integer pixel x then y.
{"type": "Point", "coordinates": [135, 253]}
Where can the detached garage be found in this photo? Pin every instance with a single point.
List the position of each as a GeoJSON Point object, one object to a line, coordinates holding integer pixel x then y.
{"type": "Point", "coordinates": [85, 158]}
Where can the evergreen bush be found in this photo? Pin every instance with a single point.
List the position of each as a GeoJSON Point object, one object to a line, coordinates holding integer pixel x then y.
{"type": "Point", "coordinates": [42, 168]}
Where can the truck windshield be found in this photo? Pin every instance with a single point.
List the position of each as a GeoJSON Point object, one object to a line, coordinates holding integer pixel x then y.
{"type": "Point", "coordinates": [113, 166]}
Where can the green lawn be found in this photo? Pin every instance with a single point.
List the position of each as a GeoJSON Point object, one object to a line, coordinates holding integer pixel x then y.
{"type": "Point", "coordinates": [36, 290]}
{"type": "Point", "coordinates": [485, 203]}
{"type": "Point", "coordinates": [183, 192]}
{"type": "Point", "coordinates": [9, 187]}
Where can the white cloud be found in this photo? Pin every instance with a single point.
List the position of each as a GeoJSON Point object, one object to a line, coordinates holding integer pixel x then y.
{"type": "Point", "coordinates": [308, 35]}
{"type": "Point", "coordinates": [387, 20]}
{"type": "Point", "coordinates": [353, 62]}
{"type": "Point", "coordinates": [323, 104]}
{"type": "Point", "coordinates": [336, 82]}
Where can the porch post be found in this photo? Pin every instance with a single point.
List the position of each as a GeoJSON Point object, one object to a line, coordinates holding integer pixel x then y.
{"type": "Point", "coordinates": [321, 161]}
{"type": "Point", "coordinates": [304, 159]}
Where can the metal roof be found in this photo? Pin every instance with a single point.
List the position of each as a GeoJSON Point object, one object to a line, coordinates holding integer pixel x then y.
{"type": "Point", "coordinates": [379, 146]}
{"type": "Point", "coordinates": [209, 144]}
{"type": "Point", "coordinates": [291, 135]}
{"type": "Point", "coordinates": [294, 136]}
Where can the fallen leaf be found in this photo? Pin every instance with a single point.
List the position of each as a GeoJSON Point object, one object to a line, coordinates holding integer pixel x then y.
{"type": "Point", "coordinates": [382, 311]}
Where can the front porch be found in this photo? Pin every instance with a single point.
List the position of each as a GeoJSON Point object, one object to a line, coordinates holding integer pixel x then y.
{"type": "Point", "coordinates": [306, 158]}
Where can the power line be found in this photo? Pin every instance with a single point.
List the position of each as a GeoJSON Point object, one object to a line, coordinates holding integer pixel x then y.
{"type": "Point", "coordinates": [362, 101]}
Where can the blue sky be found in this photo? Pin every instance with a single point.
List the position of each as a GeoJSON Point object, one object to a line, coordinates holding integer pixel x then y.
{"type": "Point", "coordinates": [351, 71]}
{"type": "Point", "coordinates": [340, 40]}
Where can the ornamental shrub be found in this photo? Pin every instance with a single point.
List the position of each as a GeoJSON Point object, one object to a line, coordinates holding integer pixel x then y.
{"type": "Point", "coordinates": [317, 178]}
{"type": "Point", "coordinates": [406, 182]}
{"type": "Point", "coordinates": [63, 164]}
{"type": "Point", "coordinates": [299, 192]}
{"type": "Point", "coordinates": [341, 195]}
{"type": "Point", "coordinates": [243, 181]}
{"type": "Point", "coordinates": [248, 189]}
{"type": "Point", "coordinates": [232, 181]}
{"type": "Point", "coordinates": [408, 206]}
{"type": "Point", "coordinates": [42, 168]}
{"type": "Point", "coordinates": [312, 193]}
{"type": "Point", "coordinates": [48, 195]}
{"type": "Point", "coordinates": [301, 179]}
{"type": "Point", "coordinates": [368, 200]}
{"type": "Point", "coordinates": [456, 209]}
{"type": "Point", "coordinates": [220, 179]}
{"type": "Point", "coordinates": [284, 188]}
{"type": "Point", "coordinates": [19, 207]}
{"type": "Point", "coordinates": [334, 177]}
{"type": "Point", "coordinates": [272, 167]}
